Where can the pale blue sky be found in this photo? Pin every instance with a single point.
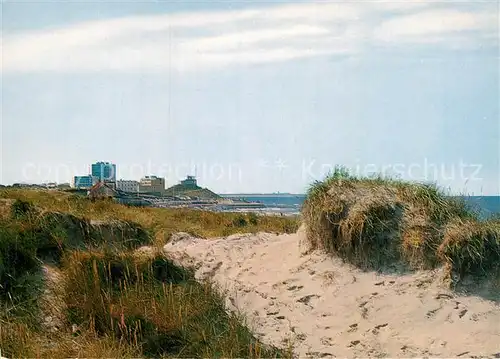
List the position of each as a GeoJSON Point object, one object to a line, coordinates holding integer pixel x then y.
{"type": "Point", "coordinates": [259, 96]}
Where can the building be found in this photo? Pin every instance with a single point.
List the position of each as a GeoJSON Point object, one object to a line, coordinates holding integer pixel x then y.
{"type": "Point", "coordinates": [152, 184]}
{"type": "Point", "coordinates": [84, 182]}
{"type": "Point", "coordinates": [104, 172]}
{"type": "Point", "coordinates": [190, 181]}
{"type": "Point", "coordinates": [127, 186]}
{"type": "Point", "coordinates": [63, 186]}
{"type": "Point", "coordinates": [101, 190]}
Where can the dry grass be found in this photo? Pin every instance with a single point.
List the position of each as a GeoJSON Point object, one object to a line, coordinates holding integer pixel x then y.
{"type": "Point", "coordinates": [125, 305]}
{"type": "Point", "coordinates": [122, 304]}
{"type": "Point", "coordinates": [154, 306]}
{"type": "Point", "coordinates": [375, 222]}
{"type": "Point", "coordinates": [160, 222]}
{"type": "Point", "coordinates": [19, 340]}
{"type": "Point", "coordinates": [471, 246]}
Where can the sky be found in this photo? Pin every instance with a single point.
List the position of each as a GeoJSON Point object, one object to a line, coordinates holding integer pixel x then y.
{"type": "Point", "coordinates": [252, 96]}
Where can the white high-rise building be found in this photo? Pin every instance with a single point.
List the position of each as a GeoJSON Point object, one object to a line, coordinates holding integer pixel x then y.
{"type": "Point", "coordinates": [127, 186]}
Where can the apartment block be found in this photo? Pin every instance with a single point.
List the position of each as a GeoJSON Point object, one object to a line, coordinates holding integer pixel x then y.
{"type": "Point", "coordinates": [83, 182]}
{"type": "Point", "coordinates": [152, 184]}
{"type": "Point", "coordinates": [127, 186]}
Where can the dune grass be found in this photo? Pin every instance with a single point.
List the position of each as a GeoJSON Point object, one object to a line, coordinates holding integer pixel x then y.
{"type": "Point", "coordinates": [160, 222]}
{"type": "Point", "coordinates": [153, 306]}
{"type": "Point", "coordinates": [471, 246]}
{"type": "Point", "coordinates": [375, 222]}
{"type": "Point", "coordinates": [115, 301]}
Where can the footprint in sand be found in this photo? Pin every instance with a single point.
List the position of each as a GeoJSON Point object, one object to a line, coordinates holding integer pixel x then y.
{"type": "Point", "coordinates": [307, 298]}
{"type": "Point", "coordinates": [423, 283]}
{"type": "Point", "coordinates": [211, 272]}
{"type": "Point", "coordinates": [432, 313]}
{"type": "Point", "coordinates": [377, 328]}
{"type": "Point", "coordinates": [462, 313]}
{"type": "Point", "coordinates": [318, 355]}
{"type": "Point", "coordinates": [284, 283]}
{"type": "Point", "coordinates": [326, 341]}
{"type": "Point", "coordinates": [300, 336]}
{"type": "Point", "coordinates": [364, 309]}
{"type": "Point", "coordinates": [410, 351]}
{"type": "Point", "coordinates": [353, 328]}
{"type": "Point", "coordinates": [328, 277]}
{"type": "Point", "coordinates": [364, 312]}
{"type": "Point", "coordinates": [353, 343]}
{"type": "Point", "coordinates": [443, 296]}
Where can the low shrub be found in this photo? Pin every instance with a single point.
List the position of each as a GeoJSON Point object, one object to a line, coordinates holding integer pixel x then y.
{"type": "Point", "coordinates": [19, 267]}
{"type": "Point", "coordinates": [240, 221]}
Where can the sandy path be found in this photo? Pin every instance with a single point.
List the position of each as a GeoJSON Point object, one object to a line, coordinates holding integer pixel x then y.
{"type": "Point", "coordinates": [328, 308]}
{"type": "Point", "coordinates": [52, 303]}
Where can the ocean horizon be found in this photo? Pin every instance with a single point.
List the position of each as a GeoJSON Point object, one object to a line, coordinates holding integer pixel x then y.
{"type": "Point", "coordinates": [292, 202]}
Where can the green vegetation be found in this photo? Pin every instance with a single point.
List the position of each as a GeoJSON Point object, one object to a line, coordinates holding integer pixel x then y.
{"type": "Point", "coordinates": [375, 222]}
{"type": "Point", "coordinates": [73, 284]}
{"type": "Point", "coordinates": [191, 191]}
{"type": "Point", "coordinates": [160, 223]}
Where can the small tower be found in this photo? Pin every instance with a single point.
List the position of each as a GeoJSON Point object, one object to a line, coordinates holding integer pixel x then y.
{"type": "Point", "coordinates": [189, 182]}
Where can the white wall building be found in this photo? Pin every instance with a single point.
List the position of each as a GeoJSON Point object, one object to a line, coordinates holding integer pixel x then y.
{"type": "Point", "coordinates": [127, 186]}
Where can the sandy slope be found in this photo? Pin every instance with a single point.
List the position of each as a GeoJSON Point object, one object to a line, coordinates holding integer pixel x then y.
{"type": "Point", "coordinates": [52, 303]}
{"type": "Point", "coordinates": [329, 308]}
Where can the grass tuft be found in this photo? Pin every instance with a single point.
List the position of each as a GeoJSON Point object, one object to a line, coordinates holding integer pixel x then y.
{"type": "Point", "coordinates": [378, 221]}
{"type": "Point", "coordinates": [154, 306]}
{"type": "Point", "coordinates": [471, 246]}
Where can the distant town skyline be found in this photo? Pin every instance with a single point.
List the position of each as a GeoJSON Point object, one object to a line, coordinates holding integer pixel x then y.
{"type": "Point", "coordinates": [260, 97]}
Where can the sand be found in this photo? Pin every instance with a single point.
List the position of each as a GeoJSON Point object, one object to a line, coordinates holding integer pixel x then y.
{"type": "Point", "coordinates": [52, 303]}
{"type": "Point", "coordinates": [326, 308]}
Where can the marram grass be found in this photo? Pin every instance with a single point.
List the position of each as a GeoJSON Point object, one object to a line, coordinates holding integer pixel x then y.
{"type": "Point", "coordinates": [375, 222]}
{"type": "Point", "coordinates": [114, 302]}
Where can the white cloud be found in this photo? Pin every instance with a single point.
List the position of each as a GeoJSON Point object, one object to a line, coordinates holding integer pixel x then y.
{"type": "Point", "coordinates": [435, 25]}
{"type": "Point", "coordinates": [250, 37]}
{"type": "Point", "coordinates": [203, 40]}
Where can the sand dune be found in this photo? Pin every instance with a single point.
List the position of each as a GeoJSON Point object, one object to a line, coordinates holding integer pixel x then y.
{"type": "Point", "coordinates": [328, 308]}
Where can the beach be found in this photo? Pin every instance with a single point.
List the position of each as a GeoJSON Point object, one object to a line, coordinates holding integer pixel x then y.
{"type": "Point", "coordinates": [292, 296]}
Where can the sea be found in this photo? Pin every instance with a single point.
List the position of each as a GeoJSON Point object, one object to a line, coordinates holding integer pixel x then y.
{"type": "Point", "coordinates": [290, 204]}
